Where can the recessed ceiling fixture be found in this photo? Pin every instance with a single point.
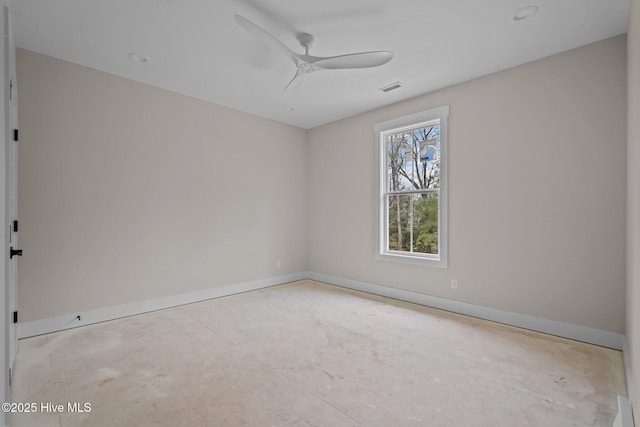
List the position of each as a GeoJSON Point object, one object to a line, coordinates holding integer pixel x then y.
{"type": "Point", "coordinates": [138, 57]}
{"type": "Point", "coordinates": [524, 13]}
{"type": "Point", "coordinates": [392, 86]}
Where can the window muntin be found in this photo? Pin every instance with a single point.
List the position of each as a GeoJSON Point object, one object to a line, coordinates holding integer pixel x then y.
{"type": "Point", "coordinates": [412, 188]}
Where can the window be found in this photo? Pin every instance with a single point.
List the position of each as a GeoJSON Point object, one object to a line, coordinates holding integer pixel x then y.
{"type": "Point", "coordinates": [412, 188]}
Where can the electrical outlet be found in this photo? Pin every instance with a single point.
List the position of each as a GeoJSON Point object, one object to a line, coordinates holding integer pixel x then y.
{"type": "Point", "coordinates": [454, 283]}
{"type": "Point", "coordinates": [277, 263]}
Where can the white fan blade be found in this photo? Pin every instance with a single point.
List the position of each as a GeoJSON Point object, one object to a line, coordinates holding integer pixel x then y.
{"type": "Point", "coordinates": [355, 60]}
{"type": "Point", "coordinates": [294, 83]}
{"type": "Point", "coordinates": [258, 32]}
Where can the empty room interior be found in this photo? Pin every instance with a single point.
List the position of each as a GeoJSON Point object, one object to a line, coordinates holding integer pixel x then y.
{"type": "Point", "coordinates": [339, 213]}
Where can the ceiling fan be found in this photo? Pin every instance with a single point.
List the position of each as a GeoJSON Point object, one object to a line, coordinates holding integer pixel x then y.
{"type": "Point", "coordinates": [306, 63]}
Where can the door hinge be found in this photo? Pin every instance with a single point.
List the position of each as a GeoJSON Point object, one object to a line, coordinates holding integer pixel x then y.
{"type": "Point", "coordinates": [10, 89]}
{"type": "Point", "coordinates": [15, 317]}
{"type": "Point", "coordinates": [15, 134]}
{"type": "Point", "coordinates": [14, 252]}
{"type": "Point", "coordinates": [15, 225]}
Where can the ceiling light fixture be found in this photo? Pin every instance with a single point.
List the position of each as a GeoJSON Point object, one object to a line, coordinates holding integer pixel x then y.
{"type": "Point", "coordinates": [138, 57]}
{"type": "Point", "coordinates": [524, 13]}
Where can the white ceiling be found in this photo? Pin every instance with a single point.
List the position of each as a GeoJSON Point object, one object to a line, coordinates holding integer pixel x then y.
{"type": "Point", "coordinates": [196, 48]}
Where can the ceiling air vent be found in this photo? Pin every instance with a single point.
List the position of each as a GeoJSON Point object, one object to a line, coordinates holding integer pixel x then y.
{"type": "Point", "coordinates": [392, 86]}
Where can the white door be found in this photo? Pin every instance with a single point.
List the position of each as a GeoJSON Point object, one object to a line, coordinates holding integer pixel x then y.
{"type": "Point", "coordinates": [11, 225]}
{"type": "Point", "coordinates": [12, 196]}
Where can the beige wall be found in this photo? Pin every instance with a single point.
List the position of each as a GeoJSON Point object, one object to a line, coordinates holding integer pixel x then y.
{"type": "Point", "coordinates": [536, 184]}
{"type": "Point", "coordinates": [129, 192]}
{"type": "Point", "coordinates": [633, 212]}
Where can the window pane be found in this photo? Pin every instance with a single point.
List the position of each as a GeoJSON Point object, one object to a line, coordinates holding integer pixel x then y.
{"type": "Point", "coordinates": [425, 220]}
{"type": "Point", "coordinates": [413, 223]}
{"type": "Point", "coordinates": [413, 159]}
{"type": "Point", "coordinates": [399, 237]}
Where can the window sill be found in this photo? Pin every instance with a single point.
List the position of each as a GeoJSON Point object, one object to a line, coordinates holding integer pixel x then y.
{"type": "Point", "coordinates": [438, 262]}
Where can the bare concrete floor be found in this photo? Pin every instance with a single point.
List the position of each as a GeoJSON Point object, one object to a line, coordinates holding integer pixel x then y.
{"type": "Point", "coordinates": [310, 354]}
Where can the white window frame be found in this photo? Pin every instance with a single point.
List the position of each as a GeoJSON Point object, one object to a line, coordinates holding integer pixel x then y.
{"type": "Point", "coordinates": [382, 236]}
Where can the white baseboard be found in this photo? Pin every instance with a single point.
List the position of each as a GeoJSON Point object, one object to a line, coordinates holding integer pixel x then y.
{"type": "Point", "coordinates": [566, 330]}
{"type": "Point", "coordinates": [626, 362]}
{"type": "Point", "coordinates": [552, 327]}
{"type": "Point", "coordinates": [624, 417]}
{"type": "Point", "coordinates": [88, 317]}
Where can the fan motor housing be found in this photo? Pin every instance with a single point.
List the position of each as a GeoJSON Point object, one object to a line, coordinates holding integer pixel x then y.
{"type": "Point", "coordinates": [305, 39]}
